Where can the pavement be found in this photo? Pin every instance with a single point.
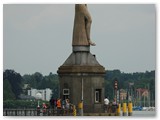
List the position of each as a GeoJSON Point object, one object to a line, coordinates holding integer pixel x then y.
{"type": "Point", "coordinates": [134, 114]}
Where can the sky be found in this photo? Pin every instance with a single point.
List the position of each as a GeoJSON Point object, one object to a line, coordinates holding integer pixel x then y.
{"type": "Point", "coordinates": [38, 38]}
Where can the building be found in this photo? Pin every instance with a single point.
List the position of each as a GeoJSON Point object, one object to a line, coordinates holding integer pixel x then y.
{"type": "Point", "coordinates": [123, 94]}
{"type": "Point", "coordinates": [44, 94]}
{"type": "Point", "coordinates": [25, 88]}
{"type": "Point", "coordinates": [142, 92]}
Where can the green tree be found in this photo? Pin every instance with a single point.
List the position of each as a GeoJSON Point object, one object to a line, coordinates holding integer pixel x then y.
{"type": "Point", "coordinates": [140, 80]}
{"type": "Point", "coordinates": [7, 91]}
{"type": "Point", "coordinates": [15, 80]}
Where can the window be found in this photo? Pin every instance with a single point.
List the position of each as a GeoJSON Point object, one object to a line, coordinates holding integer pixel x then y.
{"type": "Point", "coordinates": [65, 91]}
{"type": "Point", "coordinates": [97, 95]}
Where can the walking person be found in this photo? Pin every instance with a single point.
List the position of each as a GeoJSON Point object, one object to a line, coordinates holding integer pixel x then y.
{"type": "Point", "coordinates": [59, 107]}
{"type": "Point", "coordinates": [38, 110]}
{"type": "Point", "coordinates": [114, 105]}
{"type": "Point", "coordinates": [63, 106]}
{"type": "Point", "coordinates": [55, 103]}
{"type": "Point", "coordinates": [44, 107]}
{"type": "Point", "coordinates": [67, 106]}
{"type": "Point", "coordinates": [106, 102]}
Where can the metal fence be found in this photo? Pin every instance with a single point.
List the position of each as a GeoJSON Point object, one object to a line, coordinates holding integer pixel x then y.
{"type": "Point", "coordinates": [37, 112]}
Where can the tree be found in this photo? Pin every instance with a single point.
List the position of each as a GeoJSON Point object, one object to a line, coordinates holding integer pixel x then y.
{"type": "Point", "coordinates": [140, 80]}
{"type": "Point", "coordinates": [15, 80]}
{"type": "Point", "coordinates": [7, 91]}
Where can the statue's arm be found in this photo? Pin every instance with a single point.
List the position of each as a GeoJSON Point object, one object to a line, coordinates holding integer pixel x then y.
{"type": "Point", "coordinates": [88, 21]}
{"type": "Point", "coordinates": [81, 10]}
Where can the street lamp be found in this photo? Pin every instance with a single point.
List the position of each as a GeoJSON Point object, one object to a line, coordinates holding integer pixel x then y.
{"type": "Point", "coordinates": [80, 105]}
{"type": "Point", "coordinates": [115, 88]}
{"type": "Point", "coordinates": [38, 97]}
{"type": "Point", "coordinates": [131, 84]}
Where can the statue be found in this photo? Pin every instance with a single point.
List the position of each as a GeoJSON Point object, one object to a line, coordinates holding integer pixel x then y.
{"type": "Point", "coordinates": [82, 25]}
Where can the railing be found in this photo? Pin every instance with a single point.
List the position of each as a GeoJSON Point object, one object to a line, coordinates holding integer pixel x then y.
{"type": "Point", "coordinates": [37, 112]}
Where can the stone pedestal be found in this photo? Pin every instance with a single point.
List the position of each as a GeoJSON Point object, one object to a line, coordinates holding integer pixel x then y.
{"type": "Point", "coordinates": [82, 77]}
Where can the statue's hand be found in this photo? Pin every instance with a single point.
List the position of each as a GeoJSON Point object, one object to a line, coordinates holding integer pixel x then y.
{"type": "Point", "coordinates": [92, 43]}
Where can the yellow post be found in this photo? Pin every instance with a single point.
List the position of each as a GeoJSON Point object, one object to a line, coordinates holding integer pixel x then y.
{"type": "Point", "coordinates": [74, 110]}
{"type": "Point", "coordinates": [124, 109]}
{"type": "Point", "coordinates": [130, 109]}
{"type": "Point", "coordinates": [80, 107]}
{"type": "Point", "coordinates": [119, 110]}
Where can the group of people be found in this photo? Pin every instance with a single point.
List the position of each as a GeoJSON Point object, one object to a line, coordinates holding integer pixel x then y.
{"type": "Point", "coordinates": [45, 109]}
{"type": "Point", "coordinates": [61, 106]}
{"type": "Point", "coordinates": [110, 107]}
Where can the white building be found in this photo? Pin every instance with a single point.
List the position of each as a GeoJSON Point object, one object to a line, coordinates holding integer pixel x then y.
{"type": "Point", "coordinates": [44, 94]}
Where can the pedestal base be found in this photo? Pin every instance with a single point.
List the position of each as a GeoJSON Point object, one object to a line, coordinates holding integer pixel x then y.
{"type": "Point", "coordinates": [82, 78]}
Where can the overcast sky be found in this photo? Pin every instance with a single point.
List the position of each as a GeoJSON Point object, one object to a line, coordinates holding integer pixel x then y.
{"type": "Point", "coordinates": [37, 38]}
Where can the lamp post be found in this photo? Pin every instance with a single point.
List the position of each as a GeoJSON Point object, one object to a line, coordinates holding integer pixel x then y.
{"type": "Point", "coordinates": [131, 84]}
{"type": "Point", "coordinates": [81, 103]}
{"type": "Point", "coordinates": [38, 97]}
{"type": "Point", "coordinates": [115, 88]}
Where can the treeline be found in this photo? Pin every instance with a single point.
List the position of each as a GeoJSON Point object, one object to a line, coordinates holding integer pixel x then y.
{"type": "Point", "coordinates": [38, 81]}
{"type": "Point", "coordinates": [12, 85]}
{"type": "Point", "coordinates": [13, 82]}
{"type": "Point", "coordinates": [139, 79]}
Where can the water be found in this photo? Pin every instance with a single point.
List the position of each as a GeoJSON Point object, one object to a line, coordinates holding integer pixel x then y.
{"type": "Point", "coordinates": [144, 113]}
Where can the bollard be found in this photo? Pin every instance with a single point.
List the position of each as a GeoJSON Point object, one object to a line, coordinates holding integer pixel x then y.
{"type": "Point", "coordinates": [74, 111]}
{"type": "Point", "coordinates": [124, 109]}
{"type": "Point", "coordinates": [80, 106]}
{"type": "Point", "coordinates": [130, 109]}
{"type": "Point", "coordinates": [119, 110]}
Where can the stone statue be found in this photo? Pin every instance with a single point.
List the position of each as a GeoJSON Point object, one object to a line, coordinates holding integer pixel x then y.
{"type": "Point", "coordinates": [82, 25]}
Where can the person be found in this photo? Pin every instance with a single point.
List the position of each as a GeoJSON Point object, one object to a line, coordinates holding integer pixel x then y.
{"type": "Point", "coordinates": [59, 106]}
{"type": "Point", "coordinates": [67, 106]}
{"type": "Point", "coordinates": [55, 103]}
{"type": "Point", "coordinates": [114, 105]}
{"type": "Point", "coordinates": [51, 103]}
{"type": "Point", "coordinates": [106, 102]}
{"type": "Point", "coordinates": [48, 112]}
{"type": "Point", "coordinates": [44, 106]}
{"type": "Point", "coordinates": [63, 106]}
{"type": "Point", "coordinates": [38, 110]}
{"type": "Point", "coordinates": [114, 101]}
{"type": "Point", "coordinates": [82, 26]}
